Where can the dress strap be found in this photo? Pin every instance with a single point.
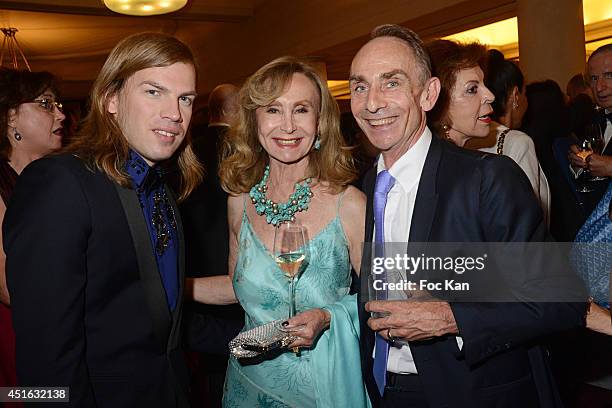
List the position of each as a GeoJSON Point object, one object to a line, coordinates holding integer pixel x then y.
{"type": "Point", "coordinates": [341, 196]}
{"type": "Point", "coordinates": [500, 141]}
{"type": "Point", "coordinates": [244, 204]}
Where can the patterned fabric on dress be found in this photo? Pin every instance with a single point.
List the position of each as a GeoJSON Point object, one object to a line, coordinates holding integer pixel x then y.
{"type": "Point", "coordinates": [592, 254]}
{"type": "Point", "coordinates": [328, 375]}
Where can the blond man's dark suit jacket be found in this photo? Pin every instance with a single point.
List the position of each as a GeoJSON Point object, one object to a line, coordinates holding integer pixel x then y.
{"type": "Point", "coordinates": [89, 308]}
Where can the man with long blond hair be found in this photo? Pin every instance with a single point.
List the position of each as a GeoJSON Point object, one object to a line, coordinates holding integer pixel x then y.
{"type": "Point", "coordinates": [94, 243]}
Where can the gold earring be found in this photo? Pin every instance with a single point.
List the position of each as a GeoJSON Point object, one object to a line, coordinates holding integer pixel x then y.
{"type": "Point", "coordinates": [446, 130]}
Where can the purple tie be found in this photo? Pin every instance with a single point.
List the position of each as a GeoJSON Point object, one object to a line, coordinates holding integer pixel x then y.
{"type": "Point", "coordinates": [384, 183]}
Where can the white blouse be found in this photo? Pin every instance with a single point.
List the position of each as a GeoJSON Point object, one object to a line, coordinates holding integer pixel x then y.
{"type": "Point", "coordinates": [520, 148]}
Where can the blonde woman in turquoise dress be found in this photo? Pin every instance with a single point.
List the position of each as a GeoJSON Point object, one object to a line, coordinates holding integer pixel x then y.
{"type": "Point", "coordinates": [287, 148]}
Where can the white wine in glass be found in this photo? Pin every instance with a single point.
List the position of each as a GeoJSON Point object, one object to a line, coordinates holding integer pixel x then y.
{"type": "Point", "coordinates": [592, 133]}
{"type": "Point", "coordinates": [290, 264]}
{"type": "Point", "coordinates": [290, 255]}
{"type": "Point", "coordinates": [582, 181]}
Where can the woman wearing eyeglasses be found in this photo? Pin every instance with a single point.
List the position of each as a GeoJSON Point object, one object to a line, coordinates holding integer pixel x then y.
{"type": "Point", "coordinates": [31, 123]}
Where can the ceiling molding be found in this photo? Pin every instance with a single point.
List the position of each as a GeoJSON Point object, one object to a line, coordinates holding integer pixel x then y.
{"type": "Point", "coordinates": [454, 19]}
{"type": "Point", "coordinates": [598, 31]}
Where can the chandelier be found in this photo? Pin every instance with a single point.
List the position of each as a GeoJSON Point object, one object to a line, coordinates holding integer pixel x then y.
{"type": "Point", "coordinates": [10, 46]}
{"type": "Point", "coordinates": [144, 7]}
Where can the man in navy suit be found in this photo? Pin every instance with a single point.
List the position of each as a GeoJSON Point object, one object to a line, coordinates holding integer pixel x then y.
{"type": "Point", "coordinates": [94, 241]}
{"type": "Point", "coordinates": [441, 354]}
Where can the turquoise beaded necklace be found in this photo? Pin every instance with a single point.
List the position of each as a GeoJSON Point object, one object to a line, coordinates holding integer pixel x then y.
{"type": "Point", "coordinates": [278, 213]}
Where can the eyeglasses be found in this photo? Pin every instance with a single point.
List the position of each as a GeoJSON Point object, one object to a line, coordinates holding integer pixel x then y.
{"type": "Point", "coordinates": [48, 104]}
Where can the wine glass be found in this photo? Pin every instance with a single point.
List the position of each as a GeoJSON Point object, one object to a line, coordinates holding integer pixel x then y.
{"type": "Point", "coordinates": [592, 133]}
{"type": "Point", "coordinates": [582, 181]}
{"type": "Point", "coordinates": [290, 255]}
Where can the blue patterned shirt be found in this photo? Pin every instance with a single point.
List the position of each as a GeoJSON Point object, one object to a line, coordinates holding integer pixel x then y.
{"type": "Point", "coordinates": [161, 222]}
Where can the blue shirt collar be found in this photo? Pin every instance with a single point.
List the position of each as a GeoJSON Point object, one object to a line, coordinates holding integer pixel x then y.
{"type": "Point", "coordinates": [141, 173]}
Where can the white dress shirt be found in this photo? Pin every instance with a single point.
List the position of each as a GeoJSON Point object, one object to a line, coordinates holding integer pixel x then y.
{"type": "Point", "coordinates": [399, 208]}
{"type": "Point", "coordinates": [520, 148]}
{"type": "Point", "coordinates": [398, 216]}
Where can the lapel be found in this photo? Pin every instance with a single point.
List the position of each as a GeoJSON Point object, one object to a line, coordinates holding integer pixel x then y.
{"type": "Point", "coordinates": [608, 150]}
{"type": "Point", "coordinates": [147, 266]}
{"type": "Point", "coordinates": [600, 118]}
{"type": "Point", "coordinates": [368, 189]}
{"type": "Point", "coordinates": [367, 339]}
{"type": "Point", "coordinates": [427, 195]}
{"type": "Point", "coordinates": [366, 258]}
{"type": "Point", "coordinates": [173, 342]}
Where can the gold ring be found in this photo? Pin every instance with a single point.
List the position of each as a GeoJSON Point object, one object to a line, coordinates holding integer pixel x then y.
{"type": "Point", "coordinates": [389, 336]}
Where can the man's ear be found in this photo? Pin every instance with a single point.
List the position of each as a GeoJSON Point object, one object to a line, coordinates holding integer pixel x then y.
{"type": "Point", "coordinates": [112, 103]}
{"type": "Point", "coordinates": [430, 94]}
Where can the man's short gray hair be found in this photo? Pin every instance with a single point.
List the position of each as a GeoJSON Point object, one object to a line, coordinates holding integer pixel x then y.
{"type": "Point", "coordinates": [412, 40]}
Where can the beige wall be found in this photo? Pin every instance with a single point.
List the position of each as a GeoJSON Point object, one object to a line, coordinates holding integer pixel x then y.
{"type": "Point", "coordinates": [551, 39]}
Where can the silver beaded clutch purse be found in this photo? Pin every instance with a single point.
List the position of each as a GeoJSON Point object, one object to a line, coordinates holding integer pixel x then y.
{"type": "Point", "coordinates": [260, 340]}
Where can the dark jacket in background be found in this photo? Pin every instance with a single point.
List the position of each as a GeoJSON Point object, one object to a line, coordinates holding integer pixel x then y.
{"type": "Point", "coordinates": [204, 216]}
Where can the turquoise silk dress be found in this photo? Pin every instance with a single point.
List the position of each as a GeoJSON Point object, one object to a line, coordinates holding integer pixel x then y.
{"type": "Point", "coordinates": [327, 375]}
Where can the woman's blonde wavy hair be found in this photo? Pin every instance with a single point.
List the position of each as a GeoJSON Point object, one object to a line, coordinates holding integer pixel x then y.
{"type": "Point", "coordinates": [244, 159]}
{"type": "Point", "coordinates": [100, 141]}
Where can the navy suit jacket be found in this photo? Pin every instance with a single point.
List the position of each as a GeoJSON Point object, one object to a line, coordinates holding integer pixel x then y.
{"type": "Point", "coordinates": [89, 308]}
{"type": "Point", "coordinates": [468, 196]}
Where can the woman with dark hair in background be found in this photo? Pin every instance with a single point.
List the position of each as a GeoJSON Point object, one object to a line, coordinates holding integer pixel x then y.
{"type": "Point", "coordinates": [31, 124]}
{"type": "Point", "coordinates": [547, 121]}
{"type": "Point", "coordinates": [507, 83]}
{"type": "Point", "coordinates": [466, 106]}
